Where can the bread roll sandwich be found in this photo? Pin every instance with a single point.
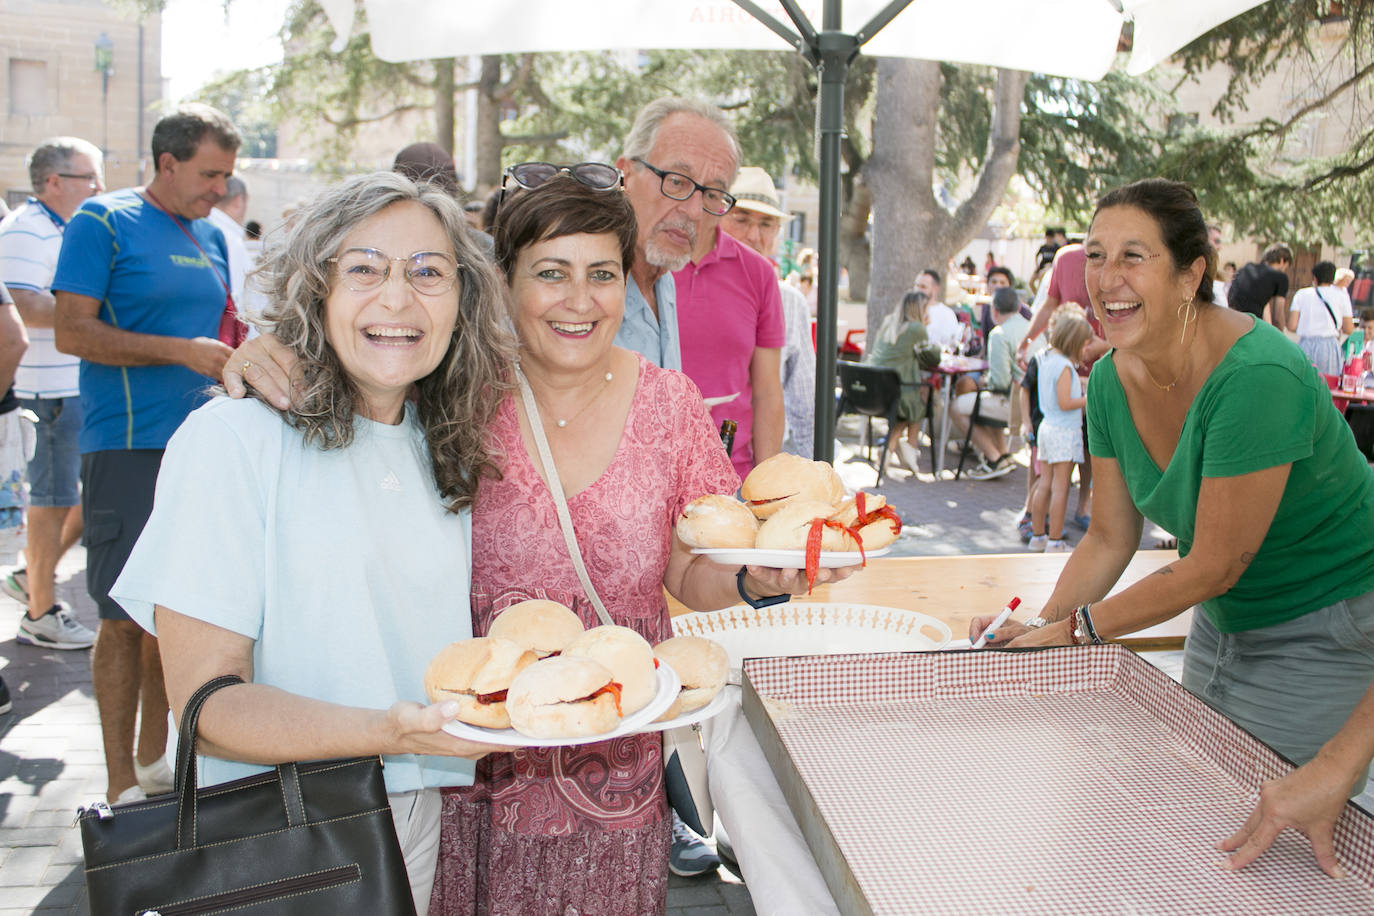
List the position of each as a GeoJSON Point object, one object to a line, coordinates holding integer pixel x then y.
{"type": "Point", "coordinates": [784, 478]}
{"type": "Point", "coordinates": [564, 697]}
{"type": "Point", "coordinates": [792, 527]}
{"type": "Point", "coordinates": [544, 627]}
{"type": "Point", "coordinates": [476, 673]}
{"type": "Point", "coordinates": [701, 665]}
{"type": "Point", "coordinates": [627, 655]}
{"type": "Point", "coordinates": [870, 520]}
{"type": "Point", "coordinates": [717, 521]}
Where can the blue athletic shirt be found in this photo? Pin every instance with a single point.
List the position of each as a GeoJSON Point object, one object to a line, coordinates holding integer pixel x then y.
{"type": "Point", "coordinates": [150, 279]}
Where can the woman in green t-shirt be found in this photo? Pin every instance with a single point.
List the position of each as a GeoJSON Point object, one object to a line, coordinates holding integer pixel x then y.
{"type": "Point", "coordinates": [1218, 428]}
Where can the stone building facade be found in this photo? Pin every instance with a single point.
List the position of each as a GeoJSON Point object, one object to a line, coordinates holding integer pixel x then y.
{"type": "Point", "coordinates": [50, 85]}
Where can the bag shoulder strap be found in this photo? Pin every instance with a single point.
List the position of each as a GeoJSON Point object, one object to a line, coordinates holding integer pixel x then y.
{"type": "Point", "coordinates": [1328, 308]}
{"type": "Point", "coordinates": [559, 500]}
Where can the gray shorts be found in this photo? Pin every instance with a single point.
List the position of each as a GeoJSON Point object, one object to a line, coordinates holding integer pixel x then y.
{"type": "Point", "coordinates": [1293, 684]}
{"type": "Point", "coordinates": [116, 500]}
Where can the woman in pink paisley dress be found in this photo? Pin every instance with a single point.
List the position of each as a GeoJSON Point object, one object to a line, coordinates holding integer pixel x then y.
{"type": "Point", "coordinates": [583, 829]}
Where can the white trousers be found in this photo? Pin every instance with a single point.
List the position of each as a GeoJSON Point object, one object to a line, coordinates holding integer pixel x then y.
{"type": "Point", "coordinates": [417, 827]}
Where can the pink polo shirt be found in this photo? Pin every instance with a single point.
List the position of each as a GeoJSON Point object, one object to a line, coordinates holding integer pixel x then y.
{"type": "Point", "coordinates": [727, 305]}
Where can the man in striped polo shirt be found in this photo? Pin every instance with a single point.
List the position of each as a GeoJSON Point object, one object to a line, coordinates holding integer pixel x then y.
{"type": "Point", "coordinates": [63, 172]}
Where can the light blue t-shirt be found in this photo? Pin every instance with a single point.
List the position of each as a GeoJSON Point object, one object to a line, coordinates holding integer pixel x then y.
{"type": "Point", "coordinates": [150, 279]}
{"type": "Point", "coordinates": [653, 338]}
{"type": "Point", "coordinates": [1052, 365]}
{"type": "Point", "coordinates": [342, 565]}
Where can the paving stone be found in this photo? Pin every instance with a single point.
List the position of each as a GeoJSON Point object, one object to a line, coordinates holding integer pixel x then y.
{"type": "Point", "coordinates": [24, 866]}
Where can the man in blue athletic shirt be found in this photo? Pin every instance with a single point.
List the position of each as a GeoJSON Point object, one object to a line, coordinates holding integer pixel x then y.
{"type": "Point", "coordinates": [141, 285]}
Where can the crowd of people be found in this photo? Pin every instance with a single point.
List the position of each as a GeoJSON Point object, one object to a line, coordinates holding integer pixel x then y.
{"type": "Point", "coordinates": [404, 385]}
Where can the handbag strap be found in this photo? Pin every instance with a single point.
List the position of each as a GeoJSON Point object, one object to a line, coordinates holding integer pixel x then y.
{"type": "Point", "coordinates": [228, 296]}
{"type": "Point", "coordinates": [559, 500]}
{"type": "Point", "coordinates": [185, 778]}
{"type": "Point", "coordinates": [1328, 309]}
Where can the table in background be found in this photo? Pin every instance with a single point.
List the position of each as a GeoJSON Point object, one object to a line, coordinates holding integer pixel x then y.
{"type": "Point", "coordinates": [951, 367]}
{"type": "Point", "coordinates": [955, 589]}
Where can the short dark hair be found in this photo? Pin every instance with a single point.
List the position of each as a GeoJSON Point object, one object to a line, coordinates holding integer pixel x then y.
{"type": "Point", "coordinates": [1367, 315]}
{"type": "Point", "coordinates": [181, 132]}
{"type": "Point", "coordinates": [1174, 208]}
{"type": "Point", "coordinates": [1004, 271]}
{"type": "Point", "coordinates": [1324, 272]}
{"type": "Point", "coordinates": [558, 207]}
{"type": "Point", "coordinates": [932, 273]}
{"type": "Point", "coordinates": [1276, 253]}
{"type": "Point", "coordinates": [428, 162]}
{"type": "Point", "coordinates": [1006, 301]}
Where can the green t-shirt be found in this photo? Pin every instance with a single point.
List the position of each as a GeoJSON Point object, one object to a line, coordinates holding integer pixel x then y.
{"type": "Point", "coordinates": [1263, 405]}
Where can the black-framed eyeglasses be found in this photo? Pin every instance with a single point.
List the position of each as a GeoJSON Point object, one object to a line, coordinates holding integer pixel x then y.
{"type": "Point", "coordinates": [596, 175]}
{"type": "Point", "coordinates": [91, 177]}
{"type": "Point", "coordinates": [430, 273]}
{"type": "Point", "coordinates": [677, 186]}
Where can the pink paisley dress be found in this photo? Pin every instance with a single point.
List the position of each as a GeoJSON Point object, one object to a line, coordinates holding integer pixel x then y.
{"type": "Point", "coordinates": [579, 830]}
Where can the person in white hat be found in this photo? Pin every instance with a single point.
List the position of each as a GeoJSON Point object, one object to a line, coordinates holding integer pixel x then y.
{"type": "Point", "coordinates": [757, 220]}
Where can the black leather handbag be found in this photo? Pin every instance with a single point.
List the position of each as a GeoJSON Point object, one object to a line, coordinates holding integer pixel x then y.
{"type": "Point", "coordinates": [308, 838]}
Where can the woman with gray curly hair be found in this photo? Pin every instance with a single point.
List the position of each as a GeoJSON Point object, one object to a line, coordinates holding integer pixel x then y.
{"type": "Point", "coordinates": [340, 526]}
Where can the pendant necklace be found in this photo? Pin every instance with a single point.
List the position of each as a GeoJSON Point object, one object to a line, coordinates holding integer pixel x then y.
{"type": "Point", "coordinates": [590, 401]}
{"type": "Point", "coordinates": [1170, 386]}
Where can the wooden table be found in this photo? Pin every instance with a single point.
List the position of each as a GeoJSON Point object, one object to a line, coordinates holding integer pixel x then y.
{"type": "Point", "coordinates": [955, 589]}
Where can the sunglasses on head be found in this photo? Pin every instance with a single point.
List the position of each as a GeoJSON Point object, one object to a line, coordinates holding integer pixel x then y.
{"type": "Point", "coordinates": [596, 175]}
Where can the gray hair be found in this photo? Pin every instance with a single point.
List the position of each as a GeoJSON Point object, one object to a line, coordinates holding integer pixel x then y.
{"type": "Point", "coordinates": [457, 401]}
{"type": "Point", "coordinates": [651, 117]}
{"type": "Point", "coordinates": [55, 154]}
{"type": "Point", "coordinates": [180, 132]}
{"type": "Point", "coordinates": [233, 187]}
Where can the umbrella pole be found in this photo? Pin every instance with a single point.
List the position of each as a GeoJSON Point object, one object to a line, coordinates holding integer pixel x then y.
{"type": "Point", "coordinates": [834, 53]}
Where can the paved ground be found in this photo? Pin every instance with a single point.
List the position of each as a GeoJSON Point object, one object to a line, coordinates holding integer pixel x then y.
{"type": "Point", "coordinates": [50, 754]}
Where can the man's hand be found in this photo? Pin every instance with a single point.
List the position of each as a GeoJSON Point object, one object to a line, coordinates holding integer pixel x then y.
{"type": "Point", "coordinates": [206, 355]}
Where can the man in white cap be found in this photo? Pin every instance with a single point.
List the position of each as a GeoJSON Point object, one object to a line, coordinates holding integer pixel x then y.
{"type": "Point", "coordinates": [757, 220]}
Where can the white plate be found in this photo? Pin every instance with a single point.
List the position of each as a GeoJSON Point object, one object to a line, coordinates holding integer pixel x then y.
{"type": "Point", "coordinates": [784, 559]}
{"type": "Point", "coordinates": [713, 708]}
{"type": "Point", "coordinates": [813, 628]}
{"type": "Point", "coordinates": [668, 687]}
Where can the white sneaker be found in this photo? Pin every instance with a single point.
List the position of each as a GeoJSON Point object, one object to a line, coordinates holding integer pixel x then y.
{"type": "Point", "coordinates": [56, 629]}
{"type": "Point", "coordinates": [156, 777]}
{"type": "Point", "coordinates": [1037, 543]}
{"type": "Point", "coordinates": [909, 455]}
{"type": "Point", "coordinates": [1058, 546]}
{"type": "Point", "coordinates": [15, 583]}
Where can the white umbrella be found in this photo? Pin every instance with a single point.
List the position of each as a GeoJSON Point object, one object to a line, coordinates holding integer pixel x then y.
{"type": "Point", "coordinates": [1072, 38]}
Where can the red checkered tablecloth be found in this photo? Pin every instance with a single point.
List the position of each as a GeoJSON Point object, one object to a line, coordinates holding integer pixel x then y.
{"type": "Point", "coordinates": [1058, 781]}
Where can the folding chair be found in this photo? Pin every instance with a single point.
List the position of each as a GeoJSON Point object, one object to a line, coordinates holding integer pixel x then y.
{"type": "Point", "coordinates": [870, 391]}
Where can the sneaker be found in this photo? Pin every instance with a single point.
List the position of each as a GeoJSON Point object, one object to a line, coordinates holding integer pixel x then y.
{"type": "Point", "coordinates": [1037, 543]}
{"type": "Point", "coordinates": [1058, 546]}
{"type": "Point", "coordinates": [1081, 521]}
{"type": "Point", "coordinates": [155, 778]}
{"type": "Point", "coordinates": [15, 583]}
{"type": "Point", "coordinates": [5, 704]}
{"type": "Point", "coordinates": [1023, 528]}
{"type": "Point", "coordinates": [56, 629]}
{"type": "Point", "coordinates": [991, 470]}
{"type": "Point", "coordinates": [907, 452]}
{"type": "Point", "coordinates": [690, 856]}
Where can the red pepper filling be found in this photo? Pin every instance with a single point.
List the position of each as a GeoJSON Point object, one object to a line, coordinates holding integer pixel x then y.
{"type": "Point", "coordinates": [866, 517]}
{"type": "Point", "coordinates": [498, 696]}
{"type": "Point", "coordinates": [614, 690]}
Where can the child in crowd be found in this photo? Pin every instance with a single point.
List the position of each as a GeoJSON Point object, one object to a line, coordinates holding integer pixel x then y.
{"type": "Point", "coordinates": [1060, 437]}
{"type": "Point", "coordinates": [1030, 426]}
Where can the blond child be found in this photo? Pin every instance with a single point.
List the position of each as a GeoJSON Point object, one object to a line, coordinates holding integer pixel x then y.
{"type": "Point", "coordinates": [1060, 437]}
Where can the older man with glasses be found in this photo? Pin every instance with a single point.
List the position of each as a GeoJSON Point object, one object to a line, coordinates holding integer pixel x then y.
{"type": "Point", "coordinates": [680, 159]}
{"type": "Point", "coordinates": [63, 173]}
